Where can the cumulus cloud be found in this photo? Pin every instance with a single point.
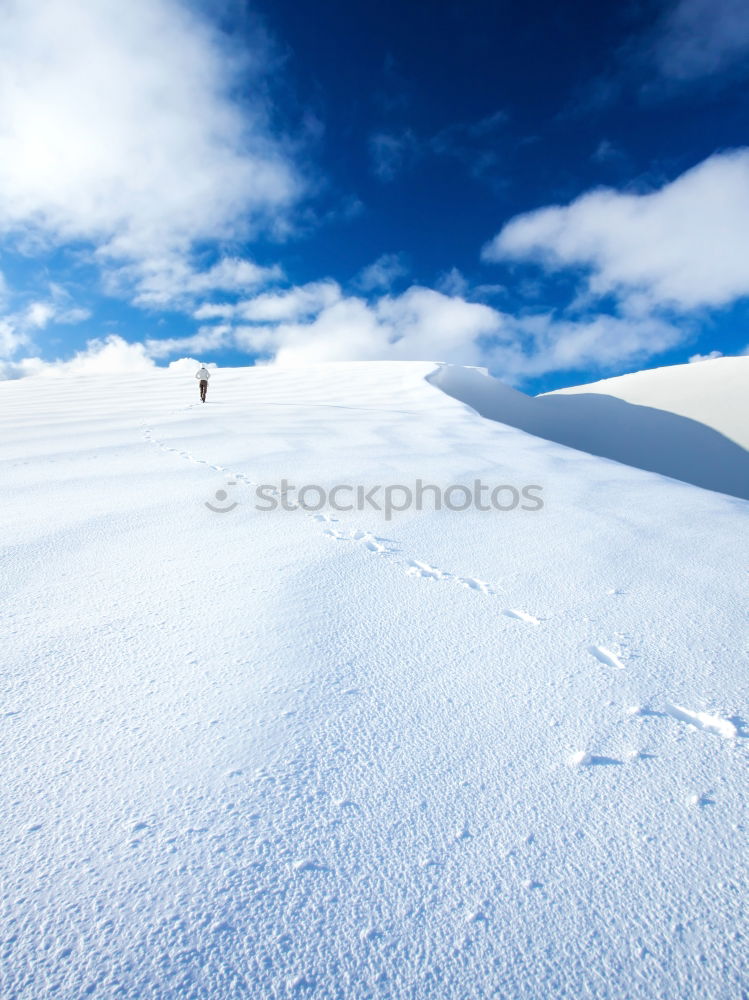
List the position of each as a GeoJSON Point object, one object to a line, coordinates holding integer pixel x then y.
{"type": "Point", "coordinates": [120, 126]}
{"type": "Point", "coordinates": [111, 355]}
{"type": "Point", "coordinates": [317, 322]}
{"type": "Point", "coordinates": [423, 324]}
{"type": "Point", "coordinates": [382, 273]}
{"type": "Point", "coordinates": [699, 38]}
{"type": "Point", "coordinates": [682, 247]}
{"type": "Point", "coordinates": [419, 324]}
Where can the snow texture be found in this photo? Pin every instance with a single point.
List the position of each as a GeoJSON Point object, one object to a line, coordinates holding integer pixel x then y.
{"type": "Point", "coordinates": [309, 753]}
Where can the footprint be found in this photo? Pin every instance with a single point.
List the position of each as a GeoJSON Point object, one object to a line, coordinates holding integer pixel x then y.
{"type": "Point", "coordinates": [308, 865]}
{"type": "Point", "coordinates": [370, 541]}
{"type": "Point", "coordinates": [346, 804]}
{"type": "Point", "coordinates": [474, 584]}
{"type": "Point", "coordinates": [701, 800]}
{"type": "Point", "coordinates": [584, 759]}
{"type": "Point", "coordinates": [522, 616]}
{"type": "Point", "coordinates": [418, 568]}
{"type": "Point", "coordinates": [702, 720]}
{"type": "Point", "coordinates": [365, 538]}
{"type": "Point", "coordinates": [604, 655]}
{"type": "Point", "coordinates": [374, 546]}
{"type": "Point", "coordinates": [302, 984]}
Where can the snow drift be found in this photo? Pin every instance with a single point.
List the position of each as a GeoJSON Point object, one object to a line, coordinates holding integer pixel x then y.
{"type": "Point", "coordinates": [690, 422]}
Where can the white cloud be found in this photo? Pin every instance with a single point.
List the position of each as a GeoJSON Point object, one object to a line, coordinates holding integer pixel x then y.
{"type": "Point", "coordinates": [38, 314]}
{"type": "Point", "coordinates": [705, 357]}
{"type": "Point", "coordinates": [382, 273]}
{"type": "Point", "coordinates": [119, 125]}
{"type": "Point", "coordinates": [424, 324]}
{"type": "Point", "coordinates": [112, 355]}
{"type": "Point", "coordinates": [452, 282]}
{"type": "Point", "coordinates": [58, 309]}
{"type": "Point", "coordinates": [171, 281]}
{"type": "Point", "coordinates": [300, 302]}
{"type": "Point", "coordinates": [188, 366]}
{"type": "Point", "coordinates": [536, 345]}
{"type": "Point", "coordinates": [17, 326]}
{"type": "Point", "coordinates": [12, 338]}
{"type": "Point", "coordinates": [419, 324]}
{"type": "Point", "coordinates": [217, 310]}
{"type": "Point", "coordinates": [208, 338]}
{"type": "Point", "coordinates": [683, 246]}
{"type": "Point", "coordinates": [699, 38]}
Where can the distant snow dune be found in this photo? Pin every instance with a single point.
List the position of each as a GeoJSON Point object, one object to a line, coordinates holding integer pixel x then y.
{"type": "Point", "coordinates": [689, 422]}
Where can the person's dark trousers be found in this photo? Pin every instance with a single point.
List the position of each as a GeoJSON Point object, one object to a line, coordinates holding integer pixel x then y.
{"type": "Point", "coordinates": [203, 387]}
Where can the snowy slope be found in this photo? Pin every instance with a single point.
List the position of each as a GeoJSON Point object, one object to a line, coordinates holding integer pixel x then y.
{"type": "Point", "coordinates": [690, 422]}
{"type": "Point", "coordinates": [286, 754]}
{"type": "Point", "coordinates": [714, 392]}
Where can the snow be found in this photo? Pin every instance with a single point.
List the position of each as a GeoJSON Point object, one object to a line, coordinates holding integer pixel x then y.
{"type": "Point", "coordinates": [690, 422]}
{"type": "Point", "coordinates": [714, 392]}
{"type": "Point", "coordinates": [316, 753]}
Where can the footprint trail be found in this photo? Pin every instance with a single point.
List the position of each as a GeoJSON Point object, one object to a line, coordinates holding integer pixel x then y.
{"type": "Point", "coordinates": [370, 542]}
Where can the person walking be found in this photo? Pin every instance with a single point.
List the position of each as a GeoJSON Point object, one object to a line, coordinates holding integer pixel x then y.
{"type": "Point", "coordinates": [202, 375]}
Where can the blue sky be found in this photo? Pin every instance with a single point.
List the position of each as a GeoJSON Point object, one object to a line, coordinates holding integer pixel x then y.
{"type": "Point", "coordinates": [559, 192]}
